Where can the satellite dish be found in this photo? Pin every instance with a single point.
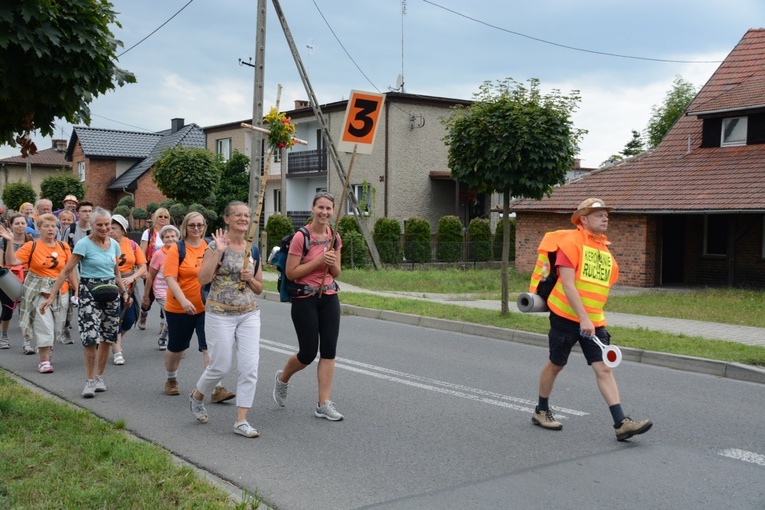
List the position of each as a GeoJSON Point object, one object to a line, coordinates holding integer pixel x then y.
{"type": "Point", "coordinates": [399, 82]}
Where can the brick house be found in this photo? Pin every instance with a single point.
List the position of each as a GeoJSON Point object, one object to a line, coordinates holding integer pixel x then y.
{"type": "Point", "coordinates": [113, 163]}
{"type": "Point", "coordinates": [45, 163]}
{"type": "Point", "coordinates": [406, 175]}
{"type": "Point", "coordinates": [692, 211]}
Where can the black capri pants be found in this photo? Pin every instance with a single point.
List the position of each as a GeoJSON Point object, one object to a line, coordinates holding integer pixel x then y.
{"type": "Point", "coordinates": [317, 324]}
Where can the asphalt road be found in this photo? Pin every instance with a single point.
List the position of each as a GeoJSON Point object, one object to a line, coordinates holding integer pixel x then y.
{"type": "Point", "coordinates": [435, 419]}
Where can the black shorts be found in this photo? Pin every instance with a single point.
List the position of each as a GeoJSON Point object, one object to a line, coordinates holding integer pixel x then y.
{"type": "Point", "coordinates": [181, 327]}
{"type": "Point", "coordinates": [564, 335]}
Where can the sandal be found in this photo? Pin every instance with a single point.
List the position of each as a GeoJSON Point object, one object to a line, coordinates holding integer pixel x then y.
{"type": "Point", "coordinates": [45, 367]}
{"type": "Point", "coordinates": [245, 429]}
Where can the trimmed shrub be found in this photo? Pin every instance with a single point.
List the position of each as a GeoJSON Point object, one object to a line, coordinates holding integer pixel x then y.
{"type": "Point", "coordinates": [58, 186]}
{"type": "Point", "coordinates": [16, 193]}
{"type": "Point", "coordinates": [348, 224]}
{"type": "Point", "coordinates": [277, 227]}
{"type": "Point", "coordinates": [152, 207]}
{"type": "Point", "coordinates": [417, 248]}
{"type": "Point", "coordinates": [127, 201]}
{"type": "Point", "coordinates": [140, 214]}
{"type": "Point", "coordinates": [123, 210]}
{"type": "Point", "coordinates": [167, 204]}
{"type": "Point", "coordinates": [354, 250]}
{"type": "Point", "coordinates": [449, 239]}
{"type": "Point", "coordinates": [387, 237]}
{"type": "Point", "coordinates": [498, 240]}
{"type": "Point", "coordinates": [479, 240]}
{"type": "Point", "coordinates": [177, 211]}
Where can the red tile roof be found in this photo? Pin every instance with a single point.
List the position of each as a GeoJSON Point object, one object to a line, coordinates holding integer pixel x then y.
{"type": "Point", "coordinates": [674, 178]}
{"type": "Point", "coordinates": [46, 157]}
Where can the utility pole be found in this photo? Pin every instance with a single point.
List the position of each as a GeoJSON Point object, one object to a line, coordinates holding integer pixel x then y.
{"type": "Point", "coordinates": [283, 192]}
{"type": "Point", "coordinates": [325, 133]}
{"type": "Point", "coordinates": [256, 140]}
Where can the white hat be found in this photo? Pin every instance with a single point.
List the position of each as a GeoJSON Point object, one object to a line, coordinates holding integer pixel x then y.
{"type": "Point", "coordinates": [169, 227]}
{"type": "Point", "coordinates": [121, 221]}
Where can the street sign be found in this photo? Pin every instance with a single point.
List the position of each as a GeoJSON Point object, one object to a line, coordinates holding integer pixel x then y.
{"type": "Point", "coordinates": [360, 124]}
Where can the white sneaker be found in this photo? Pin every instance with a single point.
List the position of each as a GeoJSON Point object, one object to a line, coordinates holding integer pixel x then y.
{"type": "Point", "coordinates": [99, 384]}
{"type": "Point", "coordinates": [280, 390]}
{"type": "Point", "coordinates": [328, 411]}
{"type": "Point", "coordinates": [90, 389]}
{"type": "Point", "coordinates": [245, 429]}
{"type": "Point", "coordinates": [197, 408]}
{"type": "Point", "coordinates": [118, 359]}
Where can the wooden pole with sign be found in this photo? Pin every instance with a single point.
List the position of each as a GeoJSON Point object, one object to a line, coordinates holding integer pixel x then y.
{"type": "Point", "coordinates": [339, 214]}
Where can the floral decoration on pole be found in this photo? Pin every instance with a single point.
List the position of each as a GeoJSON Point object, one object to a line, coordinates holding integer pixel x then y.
{"type": "Point", "coordinates": [280, 129]}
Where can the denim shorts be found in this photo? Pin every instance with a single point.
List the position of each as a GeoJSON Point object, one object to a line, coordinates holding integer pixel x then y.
{"type": "Point", "coordinates": [564, 335]}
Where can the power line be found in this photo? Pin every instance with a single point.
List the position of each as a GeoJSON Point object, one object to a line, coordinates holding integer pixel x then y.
{"type": "Point", "coordinates": [570, 47]}
{"type": "Point", "coordinates": [118, 122]}
{"type": "Point", "coordinates": [156, 29]}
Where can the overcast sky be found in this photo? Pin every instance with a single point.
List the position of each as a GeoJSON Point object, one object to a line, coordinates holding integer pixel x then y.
{"type": "Point", "coordinates": [190, 67]}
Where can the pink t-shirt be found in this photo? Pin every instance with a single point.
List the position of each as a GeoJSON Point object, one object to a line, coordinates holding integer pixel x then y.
{"type": "Point", "coordinates": [315, 249]}
{"type": "Point", "coordinates": [159, 284]}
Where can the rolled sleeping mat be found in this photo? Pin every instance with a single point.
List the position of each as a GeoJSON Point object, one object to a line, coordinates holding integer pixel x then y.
{"type": "Point", "coordinates": [529, 303]}
{"type": "Point", "coordinates": [9, 284]}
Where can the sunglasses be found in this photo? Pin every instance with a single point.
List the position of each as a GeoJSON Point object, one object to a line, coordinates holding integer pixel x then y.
{"type": "Point", "coordinates": [163, 216]}
{"type": "Point", "coordinates": [324, 194]}
{"type": "Point", "coordinates": [196, 225]}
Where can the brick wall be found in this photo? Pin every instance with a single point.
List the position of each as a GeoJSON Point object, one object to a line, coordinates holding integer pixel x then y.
{"type": "Point", "coordinates": [147, 192]}
{"type": "Point", "coordinates": [633, 242]}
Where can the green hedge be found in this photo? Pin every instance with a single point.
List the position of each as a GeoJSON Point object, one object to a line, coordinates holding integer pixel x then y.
{"type": "Point", "coordinates": [479, 240]}
{"type": "Point", "coordinates": [449, 239]}
{"type": "Point", "coordinates": [387, 237]}
{"type": "Point", "coordinates": [277, 227]}
{"type": "Point", "coordinates": [498, 240]}
{"type": "Point", "coordinates": [417, 247]}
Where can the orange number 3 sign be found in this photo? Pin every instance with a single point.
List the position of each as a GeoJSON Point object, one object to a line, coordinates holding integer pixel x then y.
{"type": "Point", "coordinates": [360, 124]}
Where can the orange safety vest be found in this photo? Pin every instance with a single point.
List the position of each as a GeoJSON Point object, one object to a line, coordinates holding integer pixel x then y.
{"type": "Point", "coordinates": [595, 271]}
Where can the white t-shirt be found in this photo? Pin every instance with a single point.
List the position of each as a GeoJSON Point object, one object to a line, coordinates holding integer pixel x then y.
{"type": "Point", "coordinates": [158, 244]}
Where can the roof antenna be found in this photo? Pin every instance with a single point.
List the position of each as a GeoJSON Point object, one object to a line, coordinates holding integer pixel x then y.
{"type": "Point", "coordinates": [400, 79]}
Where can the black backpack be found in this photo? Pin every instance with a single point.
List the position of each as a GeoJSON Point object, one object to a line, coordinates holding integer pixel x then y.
{"type": "Point", "coordinates": [286, 287]}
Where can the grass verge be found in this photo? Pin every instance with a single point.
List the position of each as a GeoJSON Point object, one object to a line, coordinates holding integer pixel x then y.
{"type": "Point", "coordinates": [55, 456]}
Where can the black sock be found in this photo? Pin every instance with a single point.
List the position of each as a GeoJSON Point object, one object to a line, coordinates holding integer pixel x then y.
{"type": "Point", "coordinates": [617, 414]}
{"type": "Point", "coordinates": [543, 405]}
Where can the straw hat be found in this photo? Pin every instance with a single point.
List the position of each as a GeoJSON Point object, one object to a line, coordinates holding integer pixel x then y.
{"type": "Point", "coordinates": [70, 198]}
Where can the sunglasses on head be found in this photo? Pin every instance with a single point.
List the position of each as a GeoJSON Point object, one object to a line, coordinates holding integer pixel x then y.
{"type": "Point", "coordinates": [324, 194]}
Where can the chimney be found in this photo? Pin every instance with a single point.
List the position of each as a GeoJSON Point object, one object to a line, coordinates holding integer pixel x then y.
{"type": "Point", "coordinates": [176, 124]}
{"type": "Point", "coordinates": [59, 145]}
{"type": "Point", "coordinates": [301, 103]}
{"type": "Point", "coordinates": [577, 163]}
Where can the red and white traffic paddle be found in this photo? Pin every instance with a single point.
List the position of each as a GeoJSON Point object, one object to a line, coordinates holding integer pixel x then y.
{"type": "Point", "coordinates": [612, 356]}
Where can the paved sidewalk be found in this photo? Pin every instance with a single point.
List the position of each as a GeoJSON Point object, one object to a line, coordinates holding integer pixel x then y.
{"type": "Point", "coordinates": [711, 330]}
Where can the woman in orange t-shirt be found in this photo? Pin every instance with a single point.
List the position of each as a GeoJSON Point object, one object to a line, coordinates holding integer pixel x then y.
{"type": "Point", "coordinates": [46, 258]}
{"type": "Point", "coordinates": [184, 309]}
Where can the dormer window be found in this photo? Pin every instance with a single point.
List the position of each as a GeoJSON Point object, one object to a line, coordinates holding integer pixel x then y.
{"type": "Point", "coordinates": [733, 131]}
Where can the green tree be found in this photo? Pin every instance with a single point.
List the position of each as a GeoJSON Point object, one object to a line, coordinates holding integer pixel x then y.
{"type": "Point", "coordinates": [634, 146]}
{"type": "Point", "coordinates": [187, 175]}
{"type": "Point", "coordinates": [665, 116]}
{"type": "Point", "coordinates": [57, 186]}
{"type": "Point", "coordinates": [515, 140]}
{"type": "Point", "coordinates": [277, 227]}
{"type": "Point", "coordinates": [55, 58]}
{"type": "Point", "coordinates": [234, 182]}
{"type": "Point", "coordinates": [16, 193]}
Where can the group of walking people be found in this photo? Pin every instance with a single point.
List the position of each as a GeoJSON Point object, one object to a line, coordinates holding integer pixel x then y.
{"type": "Point", "coordinates": [92, 264]}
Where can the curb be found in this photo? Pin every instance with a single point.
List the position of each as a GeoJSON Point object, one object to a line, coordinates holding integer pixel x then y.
{"type": "Point", "coordinates": [730, 370]}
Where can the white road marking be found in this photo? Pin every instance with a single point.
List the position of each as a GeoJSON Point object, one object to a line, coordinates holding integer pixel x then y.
{"type": "Point", "coordinates": [735, 453]}
{"type": "Point", "coordinates": [455, 390]}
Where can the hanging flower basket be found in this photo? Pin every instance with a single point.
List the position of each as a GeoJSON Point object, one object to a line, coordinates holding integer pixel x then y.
{"type": "Point", "coordinates": [281, 129]}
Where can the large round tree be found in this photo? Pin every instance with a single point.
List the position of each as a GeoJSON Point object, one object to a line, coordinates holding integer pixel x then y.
{"type": "Point", "coordinates": [515, 140]}
{"type": "Point", "coordinates": [187, 175]}
{"type": "Point", "coordinates": [55, 57]}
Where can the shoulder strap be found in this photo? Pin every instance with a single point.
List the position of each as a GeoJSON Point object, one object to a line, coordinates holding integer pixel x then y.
{"type": "Point", "coordinates": [181, 251]}
{"type": "Point", "coordinates": [34, 245]}
{"type": "Point", "coordinates": [62, 246]}
{"type": "Point", "coordinates": [306, 239]}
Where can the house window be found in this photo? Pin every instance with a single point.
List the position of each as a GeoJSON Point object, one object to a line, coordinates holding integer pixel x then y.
{"type": "Point", "coordinates": [363, 194]}
{"type": "Point", "coordinates": [81, 171]}
{"type": "Point", "coordinates": [278, 201]}
{"type": "Point", "coordinates": [716, 235]}
{"type": "Point", "coordinates": [223, 147]}
{"type": "Point", "coordinates": [733, 131]}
